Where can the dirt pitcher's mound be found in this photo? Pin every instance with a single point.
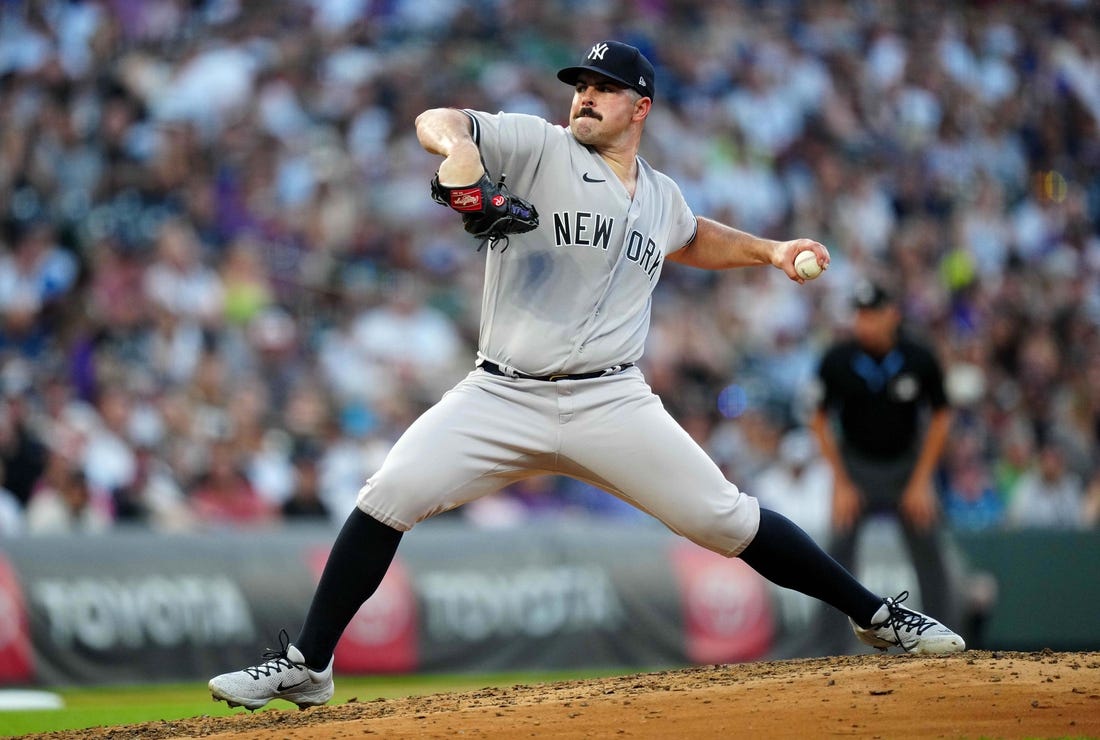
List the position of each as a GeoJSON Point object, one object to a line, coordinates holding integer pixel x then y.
{"type": "Point", "coordinates": [974, 694]}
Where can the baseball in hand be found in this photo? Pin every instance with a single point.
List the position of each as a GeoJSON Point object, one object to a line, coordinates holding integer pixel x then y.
{"type": "Point", "coordinates": [805, 264]}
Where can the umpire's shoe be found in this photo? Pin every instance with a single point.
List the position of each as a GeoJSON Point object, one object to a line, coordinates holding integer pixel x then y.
{"type": "Point", "coordinates": [895, 626]}
{"type": "Point", "coordinates": [284, 676]}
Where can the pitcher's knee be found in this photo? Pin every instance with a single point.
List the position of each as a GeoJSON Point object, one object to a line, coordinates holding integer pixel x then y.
{"type": "Point", "coordinates": [394, 504]}
{"type": "Point", "coordinates": [727, 531]}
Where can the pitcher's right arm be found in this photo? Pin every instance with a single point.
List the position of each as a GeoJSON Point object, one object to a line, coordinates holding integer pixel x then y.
{"type": "Point", "coordinates": [447, 132]}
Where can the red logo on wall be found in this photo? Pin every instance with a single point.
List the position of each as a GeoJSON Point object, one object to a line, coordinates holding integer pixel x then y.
{"type": "Point", "coordinates": [16, 659]}
{"type": "Point", "coordinates": [727, 610]}
{"type": "Point", "coordinates": [382, 637]}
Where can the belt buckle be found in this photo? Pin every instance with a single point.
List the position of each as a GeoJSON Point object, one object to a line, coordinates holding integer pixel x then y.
{"type": "Point", "coordinates": [557, 376]}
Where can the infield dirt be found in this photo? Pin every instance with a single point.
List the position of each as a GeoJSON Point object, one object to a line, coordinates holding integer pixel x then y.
{"type": "Point", "coordinates": [976, 694]}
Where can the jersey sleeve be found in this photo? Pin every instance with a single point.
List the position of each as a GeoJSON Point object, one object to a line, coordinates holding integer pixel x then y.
{"type": "Point", "coordinates": [825, 390]}
{"type": "Point", "coordinates": [933, 381]}
{"type": "Point", "coordinates": [682, 219]}
{"type": "Point", "coordinates": [508, 142]}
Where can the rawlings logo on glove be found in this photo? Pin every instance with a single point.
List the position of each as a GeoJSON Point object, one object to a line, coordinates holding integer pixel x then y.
{"type": "Point", "coordinates": [488, 211]}
{"type": "Point", "coordinates": [466, 200]}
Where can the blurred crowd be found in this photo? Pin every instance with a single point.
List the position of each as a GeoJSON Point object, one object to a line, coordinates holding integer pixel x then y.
{"type": "Point", "coordinates": [225, 290]}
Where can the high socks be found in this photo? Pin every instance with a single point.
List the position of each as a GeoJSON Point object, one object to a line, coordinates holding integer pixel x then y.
{"type": "Point", "coordinates": [787, 556]}
{"type": "Point", "coordinates": [358, 562]}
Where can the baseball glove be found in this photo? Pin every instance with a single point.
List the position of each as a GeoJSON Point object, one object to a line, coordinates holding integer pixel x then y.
{"type": "Point", "coordinates": [488, 211]}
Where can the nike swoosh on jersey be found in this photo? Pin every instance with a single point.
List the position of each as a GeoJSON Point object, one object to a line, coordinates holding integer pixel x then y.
{"type": "Point", "coordinates": [586, 178]}
{"type": "Point", "coordinates": [280, 687]}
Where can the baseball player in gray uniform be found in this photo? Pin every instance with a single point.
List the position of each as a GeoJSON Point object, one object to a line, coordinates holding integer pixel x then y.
{"type": "Point", "coordinates": [555, 389]}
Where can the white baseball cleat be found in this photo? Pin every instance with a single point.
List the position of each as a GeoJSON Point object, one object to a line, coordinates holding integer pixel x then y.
{"type": "Point", "coordinates": [284, 676]}
{"type": "Point", "coordinates": [895, 626]}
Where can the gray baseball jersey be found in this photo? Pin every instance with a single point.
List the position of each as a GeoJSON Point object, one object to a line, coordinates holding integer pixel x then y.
{"type": "Point", "coordinates": [572, 296]}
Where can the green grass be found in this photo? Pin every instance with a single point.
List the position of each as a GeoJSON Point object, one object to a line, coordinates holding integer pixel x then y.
{"type": "Point", "coordinates": [124, 705]}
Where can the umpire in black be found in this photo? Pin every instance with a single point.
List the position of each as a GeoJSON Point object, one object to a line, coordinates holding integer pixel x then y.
{"type": "Point", "coordinates": [882, 421]}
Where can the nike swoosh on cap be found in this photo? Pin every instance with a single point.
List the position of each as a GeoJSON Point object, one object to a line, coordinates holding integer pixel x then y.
{"type": "Point", "coordinates": [586, 178]}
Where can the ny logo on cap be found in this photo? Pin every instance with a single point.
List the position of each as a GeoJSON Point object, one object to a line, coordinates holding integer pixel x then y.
{"type": "Point", "coordinates": [641, 81]}
{"type": "Point", "coordinates": [598, 51]}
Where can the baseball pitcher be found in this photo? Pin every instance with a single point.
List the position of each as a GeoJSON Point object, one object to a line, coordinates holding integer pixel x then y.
{"type": "Point", "coordinates": [578, 229]}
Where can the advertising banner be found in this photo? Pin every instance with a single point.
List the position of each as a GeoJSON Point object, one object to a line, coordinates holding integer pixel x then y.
{"type": "Point", "coordinates": [137, 606]}
{"type": "Point", "coordinates": [16, 659]}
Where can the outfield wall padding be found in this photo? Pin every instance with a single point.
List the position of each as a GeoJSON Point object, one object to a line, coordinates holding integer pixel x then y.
{"type": "Point", "coordinates": [137, 606]}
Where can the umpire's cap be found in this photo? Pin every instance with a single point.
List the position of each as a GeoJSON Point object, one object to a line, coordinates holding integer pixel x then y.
{"type": "Point", "coordinates": [621, 62]}
{"type": "Point", "coordinates": [871, 294]}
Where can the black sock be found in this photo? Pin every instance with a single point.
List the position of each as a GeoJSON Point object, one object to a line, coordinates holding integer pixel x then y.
{"type": "Point", "coordinates": [788, 557]}
{"type": "Point", "coordinates": [356, 565]}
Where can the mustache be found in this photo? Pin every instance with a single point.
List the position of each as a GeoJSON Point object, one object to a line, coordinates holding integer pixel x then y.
{"type": "Point", "coordinates": [587, 112]}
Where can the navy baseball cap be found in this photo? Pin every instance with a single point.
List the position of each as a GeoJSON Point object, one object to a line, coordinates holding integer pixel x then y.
{"type": "Point", "coordinates": [870, 294]}
{"type": "Point", "coordinates": [621, 62]}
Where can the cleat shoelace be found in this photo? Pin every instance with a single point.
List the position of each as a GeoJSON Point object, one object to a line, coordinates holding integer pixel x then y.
{"type": "Point", "coordinates": [907, 619]}
{"type": "Point", "coordinates": [278, 660]}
